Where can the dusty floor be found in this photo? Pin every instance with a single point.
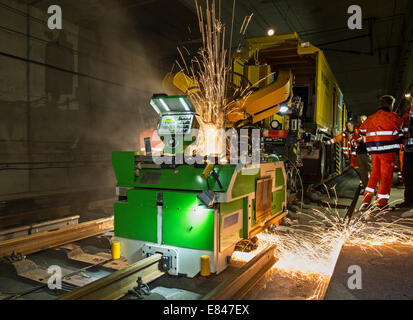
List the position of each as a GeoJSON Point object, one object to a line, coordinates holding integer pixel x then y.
{"type": "Point", "coordinates": [386, 272]}
{"type": "Point", "coordinates": [384, 275]}
{"type": "Point", "coordinates": [279, 285]}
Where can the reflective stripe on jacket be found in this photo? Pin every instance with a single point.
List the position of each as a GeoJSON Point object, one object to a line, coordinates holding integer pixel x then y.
{"type": "Point", "coordinates": [382, 132]}
{"type": "Point", "coordinates": [344, 138]}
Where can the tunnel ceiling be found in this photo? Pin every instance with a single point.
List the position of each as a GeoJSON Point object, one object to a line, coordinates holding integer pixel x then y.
{"type": "Point", "coordinates": [367, 63]}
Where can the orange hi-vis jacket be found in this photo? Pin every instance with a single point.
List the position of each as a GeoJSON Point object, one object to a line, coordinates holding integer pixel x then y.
{"type": "Point", "coordinates": [382, 132]}
{"type": "Point", "coordinates": [344, 138]}
{"type": "Point", "coordinates": [354, 143]}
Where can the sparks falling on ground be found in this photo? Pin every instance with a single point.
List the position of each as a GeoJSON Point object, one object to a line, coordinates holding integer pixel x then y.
{"type": "Point", "coordinates": [310, 250]}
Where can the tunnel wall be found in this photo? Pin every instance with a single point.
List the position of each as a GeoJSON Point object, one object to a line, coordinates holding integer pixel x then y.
{"type": "Point", "coordinates": [68, 98]}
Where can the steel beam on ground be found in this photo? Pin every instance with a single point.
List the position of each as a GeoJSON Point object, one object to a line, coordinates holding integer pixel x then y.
{"type": "Point", "coordinates": [45, 240]}
{"type": "Point", "coordinates": [117, 284]}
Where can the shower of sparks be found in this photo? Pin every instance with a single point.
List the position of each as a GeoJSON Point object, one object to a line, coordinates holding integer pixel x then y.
{"type": "Point", "coordinates": [310, 251]}
{"type": "Point", "coordinates": [209, 70]}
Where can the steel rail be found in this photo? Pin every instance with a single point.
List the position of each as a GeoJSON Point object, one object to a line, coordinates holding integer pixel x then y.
{"type": "Point", "coordinates": [238, 285]}
{"type": "Point", "coordinates": [117, 284]}
{"type": "Point", "coordinates": [49, 239]}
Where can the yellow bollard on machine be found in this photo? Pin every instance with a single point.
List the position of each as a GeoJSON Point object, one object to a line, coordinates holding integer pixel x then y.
{"type": "Point", "coordinates": [205, 266]}
{"type": "Point", "coordinates": [115, 249]}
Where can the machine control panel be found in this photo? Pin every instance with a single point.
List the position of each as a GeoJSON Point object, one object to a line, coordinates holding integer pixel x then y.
{"type": "Point", "coordinates": [175, 123]}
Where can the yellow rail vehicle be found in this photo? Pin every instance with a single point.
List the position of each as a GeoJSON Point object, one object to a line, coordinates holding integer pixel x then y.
{"type": "Point", "coordinates": [305, 106]}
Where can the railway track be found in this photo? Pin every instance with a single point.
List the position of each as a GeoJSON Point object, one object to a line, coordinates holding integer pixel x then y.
{"type": "Point", "coordinates": [117, 284]}
{"type": "Point", "coordinates": [49, 239]}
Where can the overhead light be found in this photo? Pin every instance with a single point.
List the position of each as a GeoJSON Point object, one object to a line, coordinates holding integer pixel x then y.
{"type": "Point", "coordinates": [270, 32]}
{"type": "Point", "coordinates": [153, 104]}
{"type": "Point", "coordinates": [284, 109]}
{"type": "Point", "coordinates": [407, 95]}
{"type": "Point", "coordinates": [164, 105]}
{"type": "Point", "coordinates": [184, 104]}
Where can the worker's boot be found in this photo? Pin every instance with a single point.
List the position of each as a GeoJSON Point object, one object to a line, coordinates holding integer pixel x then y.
{"type": "Point", "coordinates": [381, 204]}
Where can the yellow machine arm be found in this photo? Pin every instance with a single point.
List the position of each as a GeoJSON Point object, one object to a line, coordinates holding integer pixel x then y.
{"type": "Point", "coordinates": [262, 103]}
{"type": "Point", "coordinates": [259, 105]}
{"type": "Point", "coordinates": [256, 106]}
{"type": "Point", "coordinates": [179, 83]}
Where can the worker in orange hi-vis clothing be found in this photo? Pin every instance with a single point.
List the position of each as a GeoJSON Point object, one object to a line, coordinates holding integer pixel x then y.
{"type": "Point", "coordinates": [359, 146]}
{"type": "Point", "coordinates": [345, 138]}
{"type": "Point", "coordinates": [383, 134]}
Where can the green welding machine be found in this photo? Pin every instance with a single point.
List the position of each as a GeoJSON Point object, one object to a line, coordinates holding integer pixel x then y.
{"type": "Point", "coordinates": [185, 211]}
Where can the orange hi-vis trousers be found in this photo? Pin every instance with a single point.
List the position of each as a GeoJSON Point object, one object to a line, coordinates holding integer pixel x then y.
{"type": "Point", "coordinates": [353, 161]}
{"type": "Point", "coordinates": [382, 166]}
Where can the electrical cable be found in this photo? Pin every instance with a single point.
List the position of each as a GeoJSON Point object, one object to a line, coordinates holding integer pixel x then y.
{"type": "Point", "coordinates": [79, 74]}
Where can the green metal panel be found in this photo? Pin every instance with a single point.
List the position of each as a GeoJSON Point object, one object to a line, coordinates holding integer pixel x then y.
{"type": "Point", "coordinates": [253, 213]}
{"type": "Point", "coordinates": [228, 238]}
{"type": "Point", "coordinates": [278, 198]}
{"type": "Point", "coordinates": [185, 223]}
{"type": "Point", "coordinates": [137, 218]}
{"type": "Point", "coordinates": [183, 177]}
{"type": "Point", "coordinates": [188, 177]}
{"type": "Point", "coordinates": [245, 183]}
{"type": "Point", "coordinates": [124, 166]}
{"type": "Point", "coordinates": [279, 177]}
{"type": "Point", "coordinates": [229, 207]}
{"type": "Point", "coordinates": [245, 218]}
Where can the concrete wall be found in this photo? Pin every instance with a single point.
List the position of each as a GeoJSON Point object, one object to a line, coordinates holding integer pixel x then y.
{"type": "Point", "coordinates": [68, 99]}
